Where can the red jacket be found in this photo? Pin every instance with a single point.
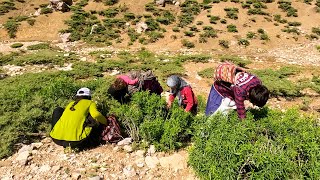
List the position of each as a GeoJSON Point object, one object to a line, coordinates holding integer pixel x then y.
{"type": "Point", "coordinates": [189, 100]}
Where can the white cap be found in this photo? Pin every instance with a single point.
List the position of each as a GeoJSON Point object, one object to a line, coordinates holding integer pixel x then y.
{"type": "Point", "coordinates": [83, 92]}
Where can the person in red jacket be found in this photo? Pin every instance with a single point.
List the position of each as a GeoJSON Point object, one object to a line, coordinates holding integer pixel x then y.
{"type": "Point", "coordinates": [181, 89]}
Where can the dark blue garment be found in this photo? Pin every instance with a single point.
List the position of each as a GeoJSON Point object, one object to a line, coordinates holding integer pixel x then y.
{"type": "Point", "coordinates": [214, 101]}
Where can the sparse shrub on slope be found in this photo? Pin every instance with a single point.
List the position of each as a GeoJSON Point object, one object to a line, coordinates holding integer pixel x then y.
{"type": "Point", "coordinates": [277, 82]}
{"type": "Point", "coordinates": [268, 144]}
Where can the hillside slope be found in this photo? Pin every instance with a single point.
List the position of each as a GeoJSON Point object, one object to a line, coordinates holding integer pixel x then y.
{"type": "Point", "coordinates": [264, 31]}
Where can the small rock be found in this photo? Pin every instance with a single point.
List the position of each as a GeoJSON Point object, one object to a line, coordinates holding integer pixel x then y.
{"type": "Point", "coordinates": [151, 150]}
{"type": "Point", "coordinates": [46, 140]}
{"type": "Point", "coordinates": [116, 148]}
{"type": "Point", "coordinates": [76, 176]}
{"type": "Point", "coordinates": [23, 157]}
{"type": "Point", "coordinates": [83, 59]}
{"type": "Point", "coordinates": [127, 148]}
{"type": "Point", "coordinates": [34, 152]}
{"type": "Point", "coordinates": [140, 153]}
{"type": "Point", "coordinates": [129, 171]}
{"type": "Point", "coordinates": [95, 178]}
{"type": "Point", "coordinates": [66, 55]}
{"type": "Point", "coordinates": [139, 162]}
{"type": "Point", "coordinates": [55, 168]}
{"type": "Point", "coordinates": [25, 148]}
{"type": "Point", "coordinates": [2, 75]}
{"type": "Point", "coordinates": [125, 141]}
{"type": "Point", "coordinates": [45, 168]}
{"type": "Point", "coordinates": [151, 162]}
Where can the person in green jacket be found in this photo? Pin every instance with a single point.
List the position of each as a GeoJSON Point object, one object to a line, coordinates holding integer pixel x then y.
{"type": "Point", "coordinates": [78, 124]}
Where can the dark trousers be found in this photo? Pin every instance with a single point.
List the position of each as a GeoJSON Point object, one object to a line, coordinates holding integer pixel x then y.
{"type": "Point", "coordinates": [92, 140]}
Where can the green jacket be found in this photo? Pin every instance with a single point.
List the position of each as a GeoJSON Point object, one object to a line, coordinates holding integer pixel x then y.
{"type": "Point", "coordinates": [70, 125]}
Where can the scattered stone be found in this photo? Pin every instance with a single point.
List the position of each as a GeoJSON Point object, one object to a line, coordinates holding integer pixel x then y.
{"type": "Point", "coordinates": [25, 148]}
{"type": "Point", "coordinates": [55, 168]}
{"type": "Point", "coordinates": [95, 178]}
{"type": "Point", "coordinates": [129, 171]}
{"type": "Point", "coordinates": [139, 162]}
{"type": "Point", "coordinates": [151, 150]}
{"type": "Point", "coordinates": [151, 162]}
{"type": "Point", "coordinates": [114, 72]}
{"type": "Point", "coordinates": [37, 13]}
{"type": "Point", "coordinates": [60, 5]}
{"type": "Point", "coordinates": [140, 153]}
{"type": "Point", "coordinates": [23, 157]}
{"type": "Point", "coordinates": [141, 27]}
{"type": "Point", "coordinates": [83, 59]}
{"type": "Point", "coordinates": [127, 148]}
{"type": "Point", "coordinates": [76, 176]}
{"type": "Point", "coordinates": [45, 168]}
{"type": "Point", "coordinates": [125, 141]}
{"type": "Point", "coordinates": [37, 145]}
{"type": "Point", "coordinates": [2, 75]}
{"type": "Point", "coordinates": [116, 148]}
{"type": "Point", "coordinates": [66, 55]}
{"type": "Point", "coordinates": [65, 37]}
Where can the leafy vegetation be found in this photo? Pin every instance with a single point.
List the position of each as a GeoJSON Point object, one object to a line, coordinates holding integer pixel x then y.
{"type": "Point", "coordinates": [39, 46]}
{"type": "Point", "coordinates": [236, 60]}
{"type": "Point", "coordinates": [269, 144]}
{"type": "Point", "coordinates": [16, 45]}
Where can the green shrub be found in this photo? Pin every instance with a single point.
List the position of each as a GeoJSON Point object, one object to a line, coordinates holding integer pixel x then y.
{"type": "Point", "coordinates": [46, 10]}
{"type": "Point", "coordinates": [318, 47]}
{"type": "Point", "coordinates": [41, 57]}
{"type": "Point", "coordinates": [294, 23]}
{"type": "Point", "coordinates": [277, 17]}
{"type": "Point", "coordinates": [223, 21]}
{"type": "Point", "coordinates": [269, 144]}
{"type": "Point", "coordinates": [207, 73]}
{"type": "Point", "coordinates": [11, 27]}
{"type": "Point", "coordinates": [251, 35]}
{"type": "Point", "coordinates": [291, 30]}
{"type": "Point", "coordinates": [235, 60]}
{"type": "Point", "coordinates": [129, 16]}
{"type": "Point", "coordinates": [187, 44]}
{"type": "Point", "coordinates": [189, 9]}
{"type": "Point", "coordinates": [264, 36]}
{"type": "Point", "coordinates": [232, 28]}
{"type": "Point", "coordinates": [232, 13]}
{"type": "Point", "coordinates": [214, 19]}
{"type": "Point", "coordinates": [224, 43]}
{"type": "Point", "coordinates": [110, 2]}
{"type": "Point", "coordinates": [31, 21]}
{"type": "Point", "coordinates": [110, 12]}
{"type": "Point", "coordinates": [6, 6]}
{"type": "Point", "coordinates": [39, 46]}
{"type": "Point", "coordinates": [16, 45]}
{"type": "Point", "coordinates": [277, 82]}
{"type": "Point", "coordinates": [8, 58]}
{"type": "Point", "coordinates": [243, 42]}
{"type": "Point", "coordinates": [316, 30]}
{"type": "Point", "coordinates": [146, 118]}
{"type": "Point", "coordinates": [189, 33]}
{"type": "Point", "coordinates": [258, 11]}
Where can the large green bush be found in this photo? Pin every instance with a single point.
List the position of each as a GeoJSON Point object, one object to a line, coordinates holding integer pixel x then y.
{"type": "Point", "coordinates": [146, 118]}
{"type": "Point", "coordinates": [269, 145]}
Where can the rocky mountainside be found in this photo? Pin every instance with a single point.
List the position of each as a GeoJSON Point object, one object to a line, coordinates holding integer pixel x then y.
{"type": "Point", "coordinates": [45, 160]}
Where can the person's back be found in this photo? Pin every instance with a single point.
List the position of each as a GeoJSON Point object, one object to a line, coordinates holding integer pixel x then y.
{"type": "Point", "coordinates": [73, 124]}
{"type": "Point", "coordinates": [238, 85]}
